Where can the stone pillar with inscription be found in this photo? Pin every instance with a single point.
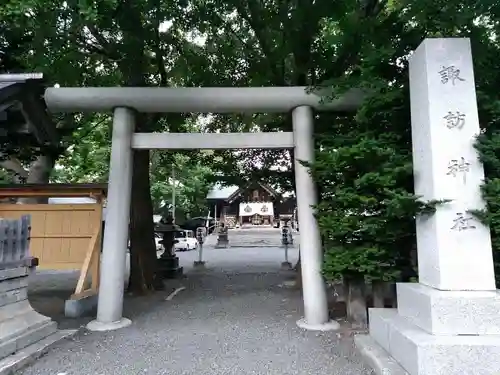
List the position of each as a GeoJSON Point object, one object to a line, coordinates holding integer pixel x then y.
{"type": "Point", "coordinates": [449, 322]}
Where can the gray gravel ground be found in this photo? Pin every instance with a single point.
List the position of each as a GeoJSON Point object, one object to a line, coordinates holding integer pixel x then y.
{"type": "Point", "coordinates": [234, 322]}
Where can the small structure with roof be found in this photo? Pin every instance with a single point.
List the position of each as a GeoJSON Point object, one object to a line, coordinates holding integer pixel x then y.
{"type": "Point", "coordinates": [23, 113]}
{"type": "Point", "coordinates": [256, 203]}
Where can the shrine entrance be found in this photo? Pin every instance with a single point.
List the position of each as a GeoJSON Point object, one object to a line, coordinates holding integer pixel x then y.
{"type": "Point", "coordinates": [256, 213]}
{"type": "Point", "coordinates": [126, 101]}
{"type": "Point", "coordinates": [257, 220]}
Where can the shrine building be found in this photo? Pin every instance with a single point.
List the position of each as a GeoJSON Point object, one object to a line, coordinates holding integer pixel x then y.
{"type": "Point", "coordinates": [254, 204]}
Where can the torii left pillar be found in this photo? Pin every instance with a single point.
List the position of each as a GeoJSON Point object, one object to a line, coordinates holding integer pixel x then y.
{"type": "Point", "coordinates": [316, 317]}
{"type": "Point", "coordinates": [114, 255]}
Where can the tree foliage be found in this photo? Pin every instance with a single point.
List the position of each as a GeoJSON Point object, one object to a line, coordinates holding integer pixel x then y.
{"type": "Point", "coordinates": [364, 164]}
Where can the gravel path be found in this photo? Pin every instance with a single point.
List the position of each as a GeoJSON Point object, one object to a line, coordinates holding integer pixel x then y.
{"type": "Point", "coordinates": [223, 323]}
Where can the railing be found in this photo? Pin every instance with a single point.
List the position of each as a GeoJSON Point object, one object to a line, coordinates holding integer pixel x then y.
{"type": "Point", "coordinates": [15, 243]}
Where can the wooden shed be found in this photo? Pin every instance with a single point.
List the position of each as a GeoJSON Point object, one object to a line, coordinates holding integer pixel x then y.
{"type": "Point", "coordinates": [64, 236]}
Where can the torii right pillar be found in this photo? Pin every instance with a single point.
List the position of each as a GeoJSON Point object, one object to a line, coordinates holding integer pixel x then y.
{"type": "Point", "coordinates": [449, 322]}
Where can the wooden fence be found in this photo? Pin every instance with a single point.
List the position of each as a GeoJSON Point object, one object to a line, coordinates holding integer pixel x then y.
{"type": "Point", "coordinates": [64, 237]}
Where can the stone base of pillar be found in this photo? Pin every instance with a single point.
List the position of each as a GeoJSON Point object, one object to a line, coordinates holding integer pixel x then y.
{"type": "Point", "coordinates": [331, 325]}
{"type": "Point", "coordinates": [199, 264]}
{"type": "Point", "coordinates": [97, 326]}
{"type": "Point", "coordinates": [286, 266]}
{"type": "Point", "coordinates": [169, 267]}
{"type": "Point", "coordinates": [435, 332]}
{"type": "Point", "coordinates": [221, 244]}
{"type": "Point", "coordinates": [20, 325]}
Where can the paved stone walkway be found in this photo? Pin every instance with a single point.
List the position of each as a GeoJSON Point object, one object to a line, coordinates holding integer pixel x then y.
{"type": "Point", "coordinates": [235, 322]}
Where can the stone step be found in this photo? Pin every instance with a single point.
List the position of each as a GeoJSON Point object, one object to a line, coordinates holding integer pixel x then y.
{"type": "Point", "coordinates": [13, 296]}
{"type": "Point", "coordinates": [26, 338]}
{"type": "Point", "coordinates": [27, 355]}
{"type": "Point", "coordinates": [442, 312]}
{"type": "Point", "coordinates": [20, 324]}
{"type": "Point", "coordinates": [421, 353]}
{"type": "Point", "coordinates": [13, 309]}
{"type": "Point", "coordinates": [376, 357]}
{"type": "Point", "coordinates": [11, 284]}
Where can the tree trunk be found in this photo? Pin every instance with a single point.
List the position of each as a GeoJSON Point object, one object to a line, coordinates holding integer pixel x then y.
{"type": "Point", "coordinates": [379, 291]}
{"type": "Point", "coordinates": [143, 260]}
{"type": "Point", "coordinates": [39, 173]}
{"type": "Point", "coordinates": [355, 292]}
{"type": "Point", "coordinates": [135, 67]}
{"type": "Point", "coordinates": [15, 167]}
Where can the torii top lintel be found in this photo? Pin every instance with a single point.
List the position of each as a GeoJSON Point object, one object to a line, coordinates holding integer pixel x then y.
{"type": "Point", "coordinates": [196, 99]}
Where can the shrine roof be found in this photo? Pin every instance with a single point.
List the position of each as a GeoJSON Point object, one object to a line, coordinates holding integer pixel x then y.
{"type": "Point", "coordinates": [222, 192]}
{"type": "Point", "coordinates": [53, 190]}
{"type": "Point", "coordinates": [22, 107]}
{"type": "Point", "coordinates": [229, 193]}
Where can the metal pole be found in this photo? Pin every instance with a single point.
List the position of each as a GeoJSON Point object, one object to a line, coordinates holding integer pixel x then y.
{"type": "Point", "coordinates": [114, 254]}
{"type": "Point", "coordinates": [173, 193]}
{"type": "Point", "coordinates": [286, 253]}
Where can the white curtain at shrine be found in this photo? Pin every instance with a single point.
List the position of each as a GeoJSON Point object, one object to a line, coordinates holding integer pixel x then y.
{"type": "Point", "coordinates": [254, 208]}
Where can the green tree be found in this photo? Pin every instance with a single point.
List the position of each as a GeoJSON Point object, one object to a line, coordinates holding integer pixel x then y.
{"type": "Point", "coordinates": [271, 43]}
{"type": "Point", "coordinates": [364, 163]}
{"type": "Point", "coordinates": [106, 43]}
{"type": "Point", "coordinates": [86, 161]}
{"type": "Point", "coordinates": [36, 39]}
{"type": "Point", "coordinates": [191, 178]}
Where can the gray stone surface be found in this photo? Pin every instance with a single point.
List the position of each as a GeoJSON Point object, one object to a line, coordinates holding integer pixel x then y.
{"type": "Point", "coordinates": [232, 318]}
{"type": "Point", "coordinates": [11, 273]}
{"type": "Point", "coordinates": [75, 308]}
{"type": "Point", "coordinates": [25, 334]}
{"type": "Point", "coordinates": [421, 353]}
{"type": "Point", "coordinates": [47, 293]}
{"type": "Point", "coordinates": [376, 357]}
{"type": "Point", "coordinates": [12, 364]}
{"type": "Point", "coordinates": [252, 237]}
{"type": "Point", "coordinates": [441, 312]}
{"type": "Point", "coordinates": [20, 325]}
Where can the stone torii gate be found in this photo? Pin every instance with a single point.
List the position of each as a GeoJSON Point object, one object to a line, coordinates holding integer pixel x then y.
{"type": "Point", "coordinates": [124, 102]}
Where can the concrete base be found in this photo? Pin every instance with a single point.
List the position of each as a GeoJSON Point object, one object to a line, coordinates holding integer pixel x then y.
{"type": "Point", "coordinates": [442, 312]}
{"type": "Point", "coordinates": [289, 284]}
{"type": "Point", "coordinates": [169, 267]}
{"type": "Point", "coordinates": [286, 266]}
{"type": "Point", "coordinates": [199, 264]}
{"type": "Point", "coordinates": [328, 326]}
{"type": "Point", "coordinates": [75, 308]}
{"type": "Point", "coordinates": [26, 356]}
{"type": "Point", "coordinates": [376, 357]}
{"type": "Point", "coordinates": [97, 326]}
{"type": "Point", "coordinates": [20, 325]}
{"type": "Point", "coordinates": [421, 353]}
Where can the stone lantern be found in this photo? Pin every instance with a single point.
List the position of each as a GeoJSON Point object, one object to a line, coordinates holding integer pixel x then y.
{"type": "Point", "coordinates": [168, 263]}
